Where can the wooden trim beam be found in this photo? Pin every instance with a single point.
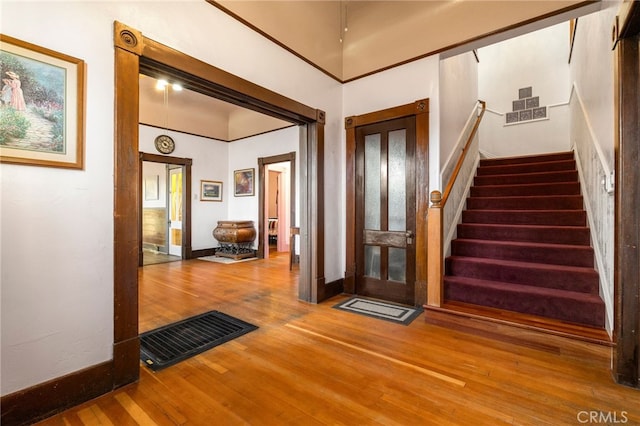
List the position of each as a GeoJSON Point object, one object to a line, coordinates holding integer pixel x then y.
{"type": "Point", "coordinates": [126, 214]}
{"type": "Point", "coordinates": [626, 356]}
{"type": "Point", "coordinates": [158, 59]}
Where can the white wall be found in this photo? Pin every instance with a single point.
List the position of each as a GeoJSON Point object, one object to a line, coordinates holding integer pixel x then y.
{"type": "Point", "coordinates": [592, 135]}
{"type": "Point", "coordinates": [244, 154]}
{"type": "Point", "coordinates": [398, 86]}
{"type": "Point", "coordinates": [591, 71]}
{"type": "Point", "coordinates": [209, 163]}
{"type": "Point", "coordinates": [158, 173]}
{"type": "Point", "coordinates": [57, 276]}
{"type": "Point", "coordinates": [539, 60]}
{"type": "Point", "coordinates": [458, 97]}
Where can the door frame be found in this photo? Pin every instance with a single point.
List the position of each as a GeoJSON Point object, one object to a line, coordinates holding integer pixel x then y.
{"type": "Point", "coordinates": [265, 161]}
{"type": "Point", "coordinates": [419, 109]}
{"type": "Point", "coordinates": [626, 44]}
{"type": "Point", "coordinates": [186, 163]}
{"type": "Point", "coordinates": [135, 54]}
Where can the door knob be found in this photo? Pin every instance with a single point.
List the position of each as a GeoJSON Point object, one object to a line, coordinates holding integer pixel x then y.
{"type": "Point", "coordinates": [409, 235]}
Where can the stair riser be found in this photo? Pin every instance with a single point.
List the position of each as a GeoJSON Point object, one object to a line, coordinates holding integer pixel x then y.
{"type": "Point", "coordinates": [563, 176]}
{"type": "Point", "coordinates": [573, 256]}
{"type": "Point", "coordinates": [572, 202]}
{"type": "Point", "coordinates": [564, 309]}
{"type": "Point", "coordinates": [584, 281]}
{"type": "Point", "coordinates": [543, 158]}
{"type": "Point", "coordinates": [527, 168]}
{"type": "Point", "coordinates": [571, 188]}
{"type": "Point", "coordinates": [556, 218]}
{"type": "Point", "coordinates": [579, 236]}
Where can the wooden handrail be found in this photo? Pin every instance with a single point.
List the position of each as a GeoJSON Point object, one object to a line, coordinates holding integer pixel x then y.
{"type": "Point", "coordinates": [456, 171]}
{"type": "Point", "coordinates": [435, 258]}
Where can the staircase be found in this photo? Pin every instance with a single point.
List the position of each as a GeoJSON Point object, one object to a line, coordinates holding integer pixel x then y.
{"type": "Point", "coordinates": [523, 244]}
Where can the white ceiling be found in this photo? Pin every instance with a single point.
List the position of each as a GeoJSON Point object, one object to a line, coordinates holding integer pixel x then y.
{"type": "Point", "coordinates": [379, 35]}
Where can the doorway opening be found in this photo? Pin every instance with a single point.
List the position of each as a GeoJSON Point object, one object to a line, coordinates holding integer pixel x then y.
{"type": "Point", "coordinates": [165, 209]}
{"type": "Point", "coordinates": [135, 54]}
{"type": "Point", "coordinates": [277, 205]}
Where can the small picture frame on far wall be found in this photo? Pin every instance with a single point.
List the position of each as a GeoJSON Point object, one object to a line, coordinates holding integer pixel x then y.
{"type": "Point", "coordinates": [210, 190]}
{"type": "Point", "coordinates": [243, 182]}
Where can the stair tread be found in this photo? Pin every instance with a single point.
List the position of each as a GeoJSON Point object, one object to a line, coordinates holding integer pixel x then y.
{"type": "Point", "coordinates": [562, 234]}
{"type": "Point", "coordinates": [528, 185]}
{"type": "Point", "coordinates": [523, 189]}
{"type": "Point", "coordinates": [525, 210]}
{"type": "Point", "coordinates": [517, 226]}
{"type": "Point", "coordinates": [523, 288]}
{"type": "Point", "coordinates": [532, 174]}
{"type": "Point", "coordinates": [526, 197]}
{"type": "Point", "coordinates": [556, 165]}
{"type": "Point", "coordinates": [527, 244]}
{"type": "Point", "coordinates": [529, 158]}
{"type": "Point", "coordinates": [529, 265]}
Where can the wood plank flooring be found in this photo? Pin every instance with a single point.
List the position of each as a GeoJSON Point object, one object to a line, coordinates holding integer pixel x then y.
{"type": "Point", "coordinates": [312, 364]}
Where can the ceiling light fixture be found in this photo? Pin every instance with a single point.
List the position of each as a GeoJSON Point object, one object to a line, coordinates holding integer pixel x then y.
{"type": "Point", "coordinates": [161, 84]}
{"type": "Point", "coordinates": [344, 27]}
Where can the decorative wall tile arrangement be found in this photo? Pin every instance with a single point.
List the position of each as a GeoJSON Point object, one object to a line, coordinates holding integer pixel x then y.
{"type": "Point", "coordinates": [526, 107]}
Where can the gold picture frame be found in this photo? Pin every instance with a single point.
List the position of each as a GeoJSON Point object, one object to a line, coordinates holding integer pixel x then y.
{"type": "Point", "coordinates": [210, 190]}
{"type": "Point", "coordinates": [42, 106]}
{"type": "Point", "coordinates": [243, 182]}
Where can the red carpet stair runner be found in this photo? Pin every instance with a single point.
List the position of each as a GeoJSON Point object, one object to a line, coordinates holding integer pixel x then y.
{"type": "Point", "coordinates": [523, 244]}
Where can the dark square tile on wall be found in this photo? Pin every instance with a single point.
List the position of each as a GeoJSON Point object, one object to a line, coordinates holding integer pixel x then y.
{"type": "Point", "coordinates": [533, 102]}
{"type": "Point", "coordinates": [539, 113]}
{"type": "Point", "coordinates": [519, 105]}
{"type": "Point", "coordinates": [512, 117]}
{"type": "Point", "coordinates": [527, 114]}
{"type": "Point", "coordinates": [525, 92]}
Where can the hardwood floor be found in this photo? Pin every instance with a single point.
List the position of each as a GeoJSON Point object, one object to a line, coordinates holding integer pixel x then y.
{"type": "Point", "coordinates": [312, 364]}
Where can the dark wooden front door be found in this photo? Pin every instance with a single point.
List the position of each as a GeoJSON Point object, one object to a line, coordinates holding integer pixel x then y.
{"type": "Point", "coordinates": [385, 210]}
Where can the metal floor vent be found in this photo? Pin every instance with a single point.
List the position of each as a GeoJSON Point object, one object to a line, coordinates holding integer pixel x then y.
{"type": "Point", "coordinates": [168, 345]}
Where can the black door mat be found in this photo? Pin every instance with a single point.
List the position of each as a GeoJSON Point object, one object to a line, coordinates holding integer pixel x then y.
{"type": "Point", "coordinates": [168, 345]}
{"type": "Point", "coordinates": [388, 311]}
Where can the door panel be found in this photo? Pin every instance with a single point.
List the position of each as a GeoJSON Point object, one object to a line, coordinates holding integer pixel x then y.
{"type": "Point", "coordinates": [385, 210]}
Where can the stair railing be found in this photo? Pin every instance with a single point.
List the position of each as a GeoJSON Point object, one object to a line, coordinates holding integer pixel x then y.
{"type": "Point", "coordinates": [436, 215]}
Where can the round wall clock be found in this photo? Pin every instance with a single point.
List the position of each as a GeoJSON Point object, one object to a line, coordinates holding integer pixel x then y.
{"type": "Point", "coordinates": [165, 144]}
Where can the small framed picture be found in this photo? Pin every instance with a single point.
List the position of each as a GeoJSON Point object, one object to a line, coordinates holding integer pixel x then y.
{"type": "Point", "coordinates": [243, 182]}
{"type": "Point", "coordinates": [151, 188]}
{"type": "Point", "coordinates": [41, 106]}
{"type": "Point", "coordinates": [210, 190]}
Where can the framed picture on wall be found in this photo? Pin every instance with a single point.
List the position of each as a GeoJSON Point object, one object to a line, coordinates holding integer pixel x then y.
{"type": "Point", "coordinates": [42, 106]}
{"type": "Point", "coordinates": [151, 188]}
{"type": "Point", "coordinates": [210, 190]}
{"type": "Point", "coordinates": [243, 181]}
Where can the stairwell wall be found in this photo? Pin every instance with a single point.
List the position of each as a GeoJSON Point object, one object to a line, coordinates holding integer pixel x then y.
{"type": "Point", "coordinates": [538, 60]}
{"type": "Point", "coordinates": [458, 96]}
{"type": "Point", "coordinates": [592, 135]}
